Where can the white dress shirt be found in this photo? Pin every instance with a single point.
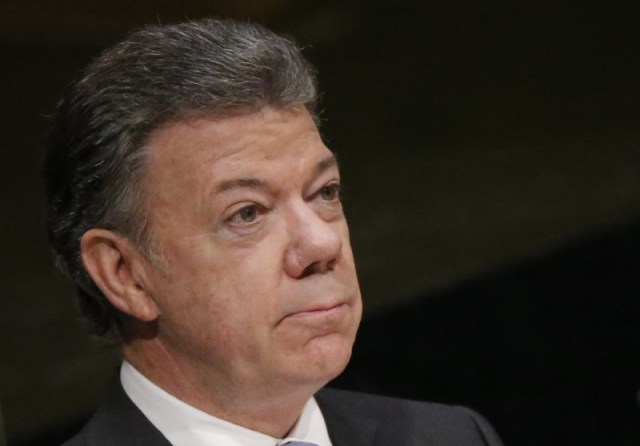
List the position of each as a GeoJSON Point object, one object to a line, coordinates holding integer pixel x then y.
{"type": "Point", "coordinates": [184, 425]}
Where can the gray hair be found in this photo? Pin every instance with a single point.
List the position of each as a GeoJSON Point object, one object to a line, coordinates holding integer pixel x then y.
{"type": "Point", "coordinates": [96, 157]}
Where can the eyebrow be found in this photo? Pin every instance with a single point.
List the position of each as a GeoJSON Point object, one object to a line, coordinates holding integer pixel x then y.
{"type": "Point", "coordinates": [249, 182]}
{"type": "Point", "coordinates": [325, 164]}
{"type": "Point", "coordinates": [257, 183]}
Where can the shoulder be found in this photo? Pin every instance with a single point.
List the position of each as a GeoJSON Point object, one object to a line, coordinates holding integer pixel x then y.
{"type": "Point", "coordinates": [118, 427]}
{"type": "Point", "coordinates": [118, 422]}
{"type": "Point", "coordinates": [397, 418]}
{"type": "Point", "coordinates": [78, 440]}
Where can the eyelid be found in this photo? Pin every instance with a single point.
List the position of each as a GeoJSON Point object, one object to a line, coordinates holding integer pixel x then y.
{"type": "Point", "coordinates": [334, 189]}
{"type": "Point", "coordinates": [230, 220]}
{"type": "Point", "coordinates": [334, 185]}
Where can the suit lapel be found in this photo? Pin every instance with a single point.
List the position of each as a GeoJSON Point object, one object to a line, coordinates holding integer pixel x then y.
{"type": "Point", "coordinates": [345, 427]}
{"type": "Point", "coordinates": [120, 422]}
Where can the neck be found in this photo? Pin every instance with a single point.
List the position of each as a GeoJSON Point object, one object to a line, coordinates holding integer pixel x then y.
{"type": "Point", "coordinates": [262, 407]}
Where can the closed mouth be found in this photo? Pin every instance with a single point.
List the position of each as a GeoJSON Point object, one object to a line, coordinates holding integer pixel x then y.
{"type": "Point", "coordinates": [321, 311]}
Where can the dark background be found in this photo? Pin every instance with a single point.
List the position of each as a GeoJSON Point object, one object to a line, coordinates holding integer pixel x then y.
{"type": "Point", "coordinates": [491, 155]}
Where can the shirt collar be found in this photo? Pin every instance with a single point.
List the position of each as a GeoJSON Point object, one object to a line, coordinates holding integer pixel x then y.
{"type": "Point", "coordinates": [184, 425]}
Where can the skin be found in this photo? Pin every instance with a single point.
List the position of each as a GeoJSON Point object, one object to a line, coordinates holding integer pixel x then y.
{"type": "Point", "coordinates": [256, 303]}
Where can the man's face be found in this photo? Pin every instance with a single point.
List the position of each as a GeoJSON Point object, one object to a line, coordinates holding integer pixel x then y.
{"type": "Point", "coordinates": [258, 284]}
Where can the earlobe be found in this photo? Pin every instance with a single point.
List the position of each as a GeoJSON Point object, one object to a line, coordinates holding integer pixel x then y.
{"type": "Point", "coordinates": [112, 262]}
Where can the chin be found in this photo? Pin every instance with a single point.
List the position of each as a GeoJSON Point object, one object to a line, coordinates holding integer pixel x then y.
{"type": "Point", "coordinates": [325, 359]}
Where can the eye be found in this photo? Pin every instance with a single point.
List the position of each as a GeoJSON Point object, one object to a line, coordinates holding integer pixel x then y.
{"type": "Point", "coordinates": [246, 215]}
{"type": "Point", "coordinates": [330, 192]}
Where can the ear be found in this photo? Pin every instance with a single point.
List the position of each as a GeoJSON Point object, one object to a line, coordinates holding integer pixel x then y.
{"type": "Point", "coordinates": [115, 265]}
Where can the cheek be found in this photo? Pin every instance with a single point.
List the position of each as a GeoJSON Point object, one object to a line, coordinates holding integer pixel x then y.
{"type": "Point", "coordinates": [230, 292]}
{"type": "Point", "coordinates": [254, 270]}
{"type": "Point", "coordinates": [233, 296]}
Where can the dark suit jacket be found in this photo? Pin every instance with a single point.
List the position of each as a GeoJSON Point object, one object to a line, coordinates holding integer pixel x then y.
{"type": "Point", "coordinates": [353, 419]}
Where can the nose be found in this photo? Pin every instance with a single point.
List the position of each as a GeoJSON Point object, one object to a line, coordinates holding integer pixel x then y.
{"type": "Point", "coordinates": [315, 245]}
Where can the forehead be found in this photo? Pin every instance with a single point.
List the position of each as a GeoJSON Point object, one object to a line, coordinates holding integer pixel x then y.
{"type": "Point", "coordinates": [199, 152]}
{"type": "Point", "coordinates": [217, 138]}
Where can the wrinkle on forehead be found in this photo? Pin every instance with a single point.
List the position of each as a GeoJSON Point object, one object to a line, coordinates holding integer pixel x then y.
{"type": "Point", "coordinates": [225, 126]}
{"type": "Point", "coordinates": [204, 155]}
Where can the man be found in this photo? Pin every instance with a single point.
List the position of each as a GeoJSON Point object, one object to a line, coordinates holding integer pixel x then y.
{"type": "Point", "coordinates": [194, 204]}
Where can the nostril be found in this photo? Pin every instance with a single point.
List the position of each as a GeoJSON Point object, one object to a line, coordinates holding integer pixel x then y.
{"type": "Point", "coordinates": [318, 267]}
{"type": "Point", "coordinates": [308, 271]}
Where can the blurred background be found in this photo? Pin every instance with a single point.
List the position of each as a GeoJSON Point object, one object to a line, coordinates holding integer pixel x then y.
{"type": "Point", "coordinates": [491, 158]}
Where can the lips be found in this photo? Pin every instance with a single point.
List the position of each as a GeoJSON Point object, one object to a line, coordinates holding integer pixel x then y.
{"type": "Point", "coordinates": [321, 313]}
